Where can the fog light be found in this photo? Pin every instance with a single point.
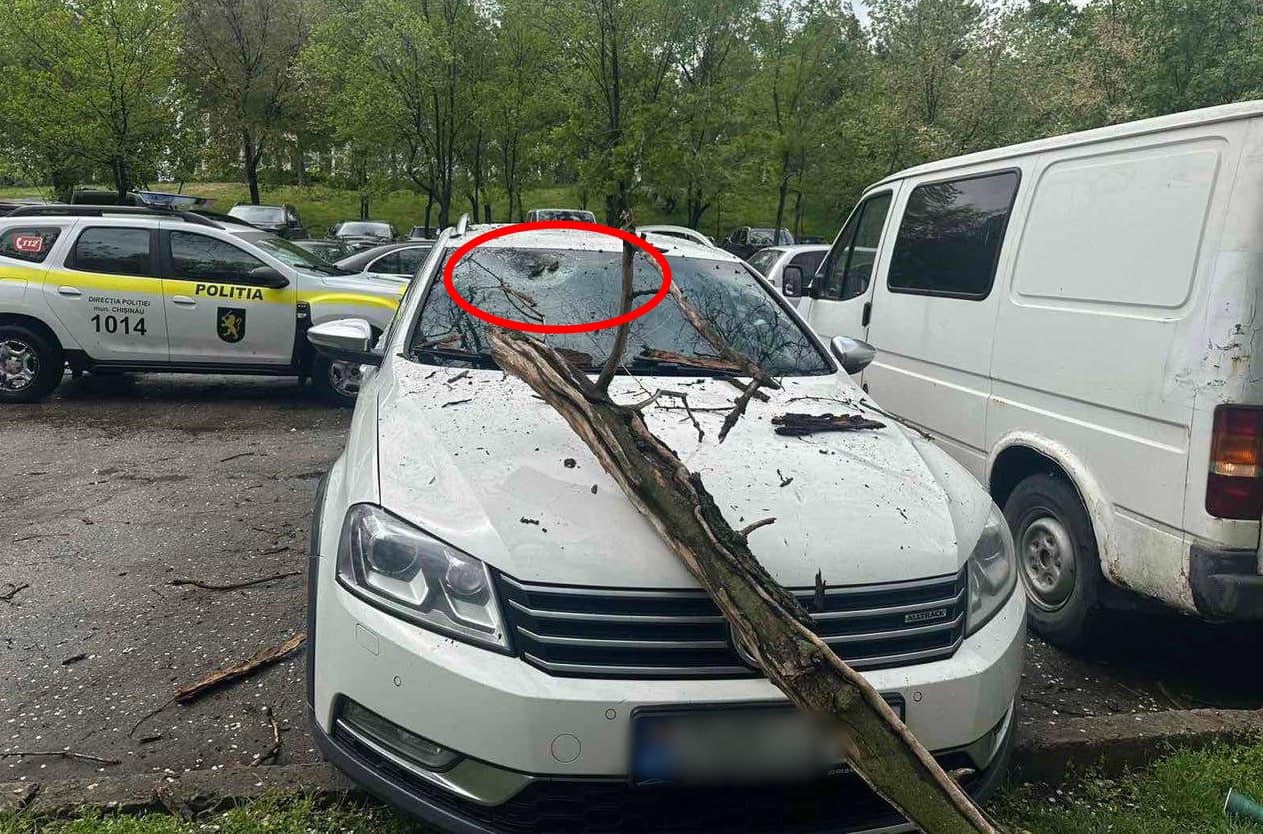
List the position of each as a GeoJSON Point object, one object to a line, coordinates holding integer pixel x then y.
{"type": "Point", "coordinates": [396, 739]}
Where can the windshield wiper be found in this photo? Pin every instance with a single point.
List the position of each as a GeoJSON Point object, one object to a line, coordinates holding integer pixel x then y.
{"type": "Point", "coordinates": [479, 360]}
{"type": "Point", "coordinates": [678, 363]}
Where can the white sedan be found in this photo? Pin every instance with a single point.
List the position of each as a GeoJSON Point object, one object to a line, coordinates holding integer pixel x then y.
{"type": "Point", "coordinates": [771, 262]}
{"type": "Point", "coordinates": [681, 232]}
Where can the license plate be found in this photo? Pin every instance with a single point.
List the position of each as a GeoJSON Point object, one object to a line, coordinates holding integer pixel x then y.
{"type": "Point", "coordinates": [727, 744]}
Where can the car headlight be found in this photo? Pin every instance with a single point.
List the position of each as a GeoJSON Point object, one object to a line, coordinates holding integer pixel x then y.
{"type": "Point", "coordinates": [411, 574]}
{"type": "Point", "coordinates": [992, 571]}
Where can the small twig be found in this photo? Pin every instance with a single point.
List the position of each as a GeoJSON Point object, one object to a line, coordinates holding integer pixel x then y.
{"type": "Point", "coordinates": [234, 457]}
{"type": "Point", "coordinates": [821, 587]}
{"type": "Point", "coordinates": [740, 386]}
{"type": "Point", "coordinates": [220, 677]}
{"type": "Point", "coordinates": [209, 586]}
{"type": "Point", "coordinates": [38, 536]}
{"type": "Point", "coordinates": [273, 751]}
{"type": "Point", "coordinates": [745, 532]}
{"type": "Point", "coordinates": [784, 481]}
{"type": "Point", "coordinates": [65, 754]}
{"type": "Point", "coordinates": [13, 591]}
{"type": "Point", "coordinates": [457, 402]}
{"type": "Point", "coordinates": [684, 398]}
{"type": "Point", "coordinates": [738, 408]}
{"type": "Point", "coordinates": [149, 715]}
{"type": "Point", "coordinates": [458, 377]}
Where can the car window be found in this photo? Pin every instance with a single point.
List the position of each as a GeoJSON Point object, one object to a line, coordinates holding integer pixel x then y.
{"type": "Point", "coordinates": [567, 286]}
{"type": "Point", "coordinates": [28, 243]}
{"type": "Point", "coordinates": [949, 240]}
{"type": "Point", "coordinates": [808, 262]}
{"type": "Point", "coordinates": [850, 265]}
{"type": "Point", "coordinates": [410, 259]}
{"type": "Point", "coordinates": [197, 257]}
{"type": "Point", "coordinates": [118, 251]}
{"type": "Point", "coordinates": [764, 260]}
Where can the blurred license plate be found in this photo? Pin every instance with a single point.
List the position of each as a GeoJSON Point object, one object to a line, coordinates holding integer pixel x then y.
{"type": "Point", "coordinates": [732, 744]}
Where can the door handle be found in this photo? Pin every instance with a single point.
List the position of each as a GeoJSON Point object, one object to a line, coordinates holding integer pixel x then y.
{"type": "Point", "coordinates": [867, 315]}
{"type": "Point", "coordinates": [183, 300]}
{"type": "Point", "coordinates": [69, 292]}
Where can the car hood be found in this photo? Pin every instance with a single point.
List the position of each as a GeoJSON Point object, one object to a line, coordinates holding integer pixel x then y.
{"type": "Point", "coordinates": [477, 460]}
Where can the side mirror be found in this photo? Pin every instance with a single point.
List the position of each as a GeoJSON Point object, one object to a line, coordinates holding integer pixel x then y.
{"type": "Point", "coordinates": [853, 354]}
{"type": "Point", "coordinates": [346, 340]}
{"type": "Point", "coordinates": [266, 276]}
{"type": "Point", "coordinates": [792, 281]}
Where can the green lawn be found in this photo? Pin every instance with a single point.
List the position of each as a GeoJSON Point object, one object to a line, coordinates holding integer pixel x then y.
{"type": "Point", "coordinates": [321, 206]}
{"type": "Point", "coordinates": [1182, 794]}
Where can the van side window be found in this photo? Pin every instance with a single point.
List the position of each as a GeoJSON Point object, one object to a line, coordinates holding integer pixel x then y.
{"type": "Point", "coordinates": [949, 240]}
{"type": "Point", "coordinates": [850, 265]}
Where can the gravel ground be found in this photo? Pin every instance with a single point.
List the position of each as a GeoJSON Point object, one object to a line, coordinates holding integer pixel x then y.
{"type": "Point", "coordinates": [115, 487]}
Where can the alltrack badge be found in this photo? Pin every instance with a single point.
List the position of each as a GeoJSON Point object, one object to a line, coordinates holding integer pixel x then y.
{"type": "Point", "coordinates": [231, 324]}
{"type": "Point", "coordinates": [925, 616]}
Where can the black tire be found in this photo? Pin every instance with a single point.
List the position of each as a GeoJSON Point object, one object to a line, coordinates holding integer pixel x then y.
{"type": "Point", "coordinates": [28, 353]}
{"type": "Point", "coordinates": [1053, 536]}
{"type": "Point", "coordinates": [324, 371]}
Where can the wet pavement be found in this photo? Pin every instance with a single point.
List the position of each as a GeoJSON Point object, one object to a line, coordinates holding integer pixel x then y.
{"type": "Point", "coordinates": [117, 486]}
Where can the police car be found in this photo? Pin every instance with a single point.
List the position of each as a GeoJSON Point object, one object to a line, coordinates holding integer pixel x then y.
{"type": "Point", "coordinates": [111, 289]}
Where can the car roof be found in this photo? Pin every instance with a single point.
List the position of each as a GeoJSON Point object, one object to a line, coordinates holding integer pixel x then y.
{"type": "Point", "coordinates": [358, 259]}
{"type": "Point", "coordinates": [579, 240]}
{"type": "Point", "coordinates": [798, 248]}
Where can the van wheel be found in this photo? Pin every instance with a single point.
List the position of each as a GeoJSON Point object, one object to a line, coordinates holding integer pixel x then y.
{"type": "Point", "coordinates": [1057, 559]}
{"type": "Point", "coordinates": [31, 365]}
{"type": "Point", "coordinates": [337, 383]}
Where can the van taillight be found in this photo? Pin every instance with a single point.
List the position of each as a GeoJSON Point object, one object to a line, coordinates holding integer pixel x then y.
{"type": "Point", "coordinates": [1234, 487]}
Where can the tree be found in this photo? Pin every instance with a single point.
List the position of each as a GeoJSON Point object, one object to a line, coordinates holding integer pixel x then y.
{"type": "Point", "coordinates": [90, 83]}
{"type": "Point", "coordinates": [239, 57]}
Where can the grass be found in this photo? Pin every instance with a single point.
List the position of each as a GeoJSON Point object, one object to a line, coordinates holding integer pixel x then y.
{"type": "Point", "coordinates": [321, 206]}
{"type": "Point", "coordinates": [1181, 794]}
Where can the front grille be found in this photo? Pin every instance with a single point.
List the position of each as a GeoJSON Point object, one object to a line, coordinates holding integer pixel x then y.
{"type": "Point", "coordinates": [612, 633]}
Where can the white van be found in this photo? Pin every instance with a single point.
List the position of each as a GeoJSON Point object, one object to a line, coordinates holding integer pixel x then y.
{"type": "Point", "coordinates": [1074, 319]}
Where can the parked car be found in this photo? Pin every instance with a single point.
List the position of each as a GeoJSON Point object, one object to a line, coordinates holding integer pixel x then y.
{"type": "Point", "coordinates": [771, 262]}
{"type": "Point", "coordinates": [581, 215]}
{"type": "Point", "coordinates": [362, 234]}
{"type": "Point", "coordinates": [327, 250]}
{"type": "Point", "coordinates": [115, 288]}
{"type": "Point", "coordinates": [500, 641]}
{"type": "Point", "coordinates": [398, 259]}
{"type": "Point", "coordinates": [1075, 320]}
{"type": "Point", "coordinates": [281, 221]}
{"type": "Point", "coordinates": [683, 232]}
{"type": "Point", "coordinates": [421, 233]}
{"type": "Point", "coordinates": [745, 241]}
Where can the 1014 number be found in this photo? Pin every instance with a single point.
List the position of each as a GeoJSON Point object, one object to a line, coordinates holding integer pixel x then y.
{"type": "Point", "coordinates": [114, 324]}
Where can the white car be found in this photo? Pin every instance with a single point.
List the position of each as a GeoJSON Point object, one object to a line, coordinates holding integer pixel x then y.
{"type": "Point", "coordinates": [502, 642]}
{"type": "Point", "coordinates": [111, 289]}
{"type": "Point", "coordinates": [771, 263]}
{"type": "Point", "coordinates": [683, 232]}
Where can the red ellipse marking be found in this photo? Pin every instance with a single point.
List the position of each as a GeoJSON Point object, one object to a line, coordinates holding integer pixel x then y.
{"type": "Point", "coordinates": [531, 327]}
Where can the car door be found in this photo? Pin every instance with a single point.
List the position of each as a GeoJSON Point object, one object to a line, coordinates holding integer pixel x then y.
{"type": "Point", "coordinates": [402, 262]}
{"type": "Point", "coordinates": [218, 313]}
{"type": "Point", "coordinates": [840, 301]}
{"type": "Point", "coordinates": [107, 293]}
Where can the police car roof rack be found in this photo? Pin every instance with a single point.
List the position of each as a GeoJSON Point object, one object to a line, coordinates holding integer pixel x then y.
{"type": "Point", "coordinates": [105, 211]}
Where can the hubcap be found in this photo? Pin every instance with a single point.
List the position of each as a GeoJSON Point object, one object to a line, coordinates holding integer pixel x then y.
{"type": "Point", "coordinates": [1048, 566]}
{"type": "Point", "coordinates": [18, 365]}
{"type": "Point", "coordinates": [345, 377]}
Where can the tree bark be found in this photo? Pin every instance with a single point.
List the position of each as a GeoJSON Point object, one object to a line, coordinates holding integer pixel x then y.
{"type": "Point", "coordinates": [765, 618]}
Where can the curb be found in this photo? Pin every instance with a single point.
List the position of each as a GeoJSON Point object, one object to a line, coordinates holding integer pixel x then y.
{"type": "Point", "coordinates": [1111, 744]}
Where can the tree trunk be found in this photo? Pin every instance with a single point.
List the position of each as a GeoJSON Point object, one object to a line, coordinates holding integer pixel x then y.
{"type": "Point", "coordinates": [781, 191]}
{"type": "Point", "coordinates": [250, 157]}
{"type": "Point", "coordinates": [764, 617]}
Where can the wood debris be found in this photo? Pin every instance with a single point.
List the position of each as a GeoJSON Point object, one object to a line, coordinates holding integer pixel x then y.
{"type": "Point", "coordinates": [234, 586]}
{"type": "Point", "coordinates": [793, 424]}
{"type": "Point", "coordinates": [221, 677]}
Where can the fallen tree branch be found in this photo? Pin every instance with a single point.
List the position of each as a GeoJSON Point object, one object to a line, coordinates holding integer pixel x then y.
{"type": "Point", "coordinates": [220, 677]}
{"type": "Point", "coordinates": [14, 590]}
{"type": "Point", "coordinates": [233, 586]}
{"type": "Point", "coordinates": [745, 532]}
{"type": "Point", "coordinates": [738, 409]}
{"type": "Point", "coordinates": [798, 425]}
{"type": "Point", "coordinates": [65, 754]}
{"type": "Point", "coordinates": [764, 617]}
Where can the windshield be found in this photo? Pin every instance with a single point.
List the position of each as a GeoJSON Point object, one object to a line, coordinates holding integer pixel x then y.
{"type": "Point", "coordinates": [565, 214]}
{"type": "Point", "coordinates": [569, 286]}
{"type": "Point", "coordinates": [764, 259]}
{"type": "Point", "coordinates": [259, 214]}
{"type": "Point", "coordinates": [366, 229]}
{"type": "Point", "coordinates": [291, 254]}
{"type": "Point", "coordinates": [763, 237]}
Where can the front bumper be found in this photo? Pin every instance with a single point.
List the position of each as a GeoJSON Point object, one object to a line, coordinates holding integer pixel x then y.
{"type": "Point", "coordinates": [1226, 584]}
{"type": "Point", "coordinates": [836, 805]}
